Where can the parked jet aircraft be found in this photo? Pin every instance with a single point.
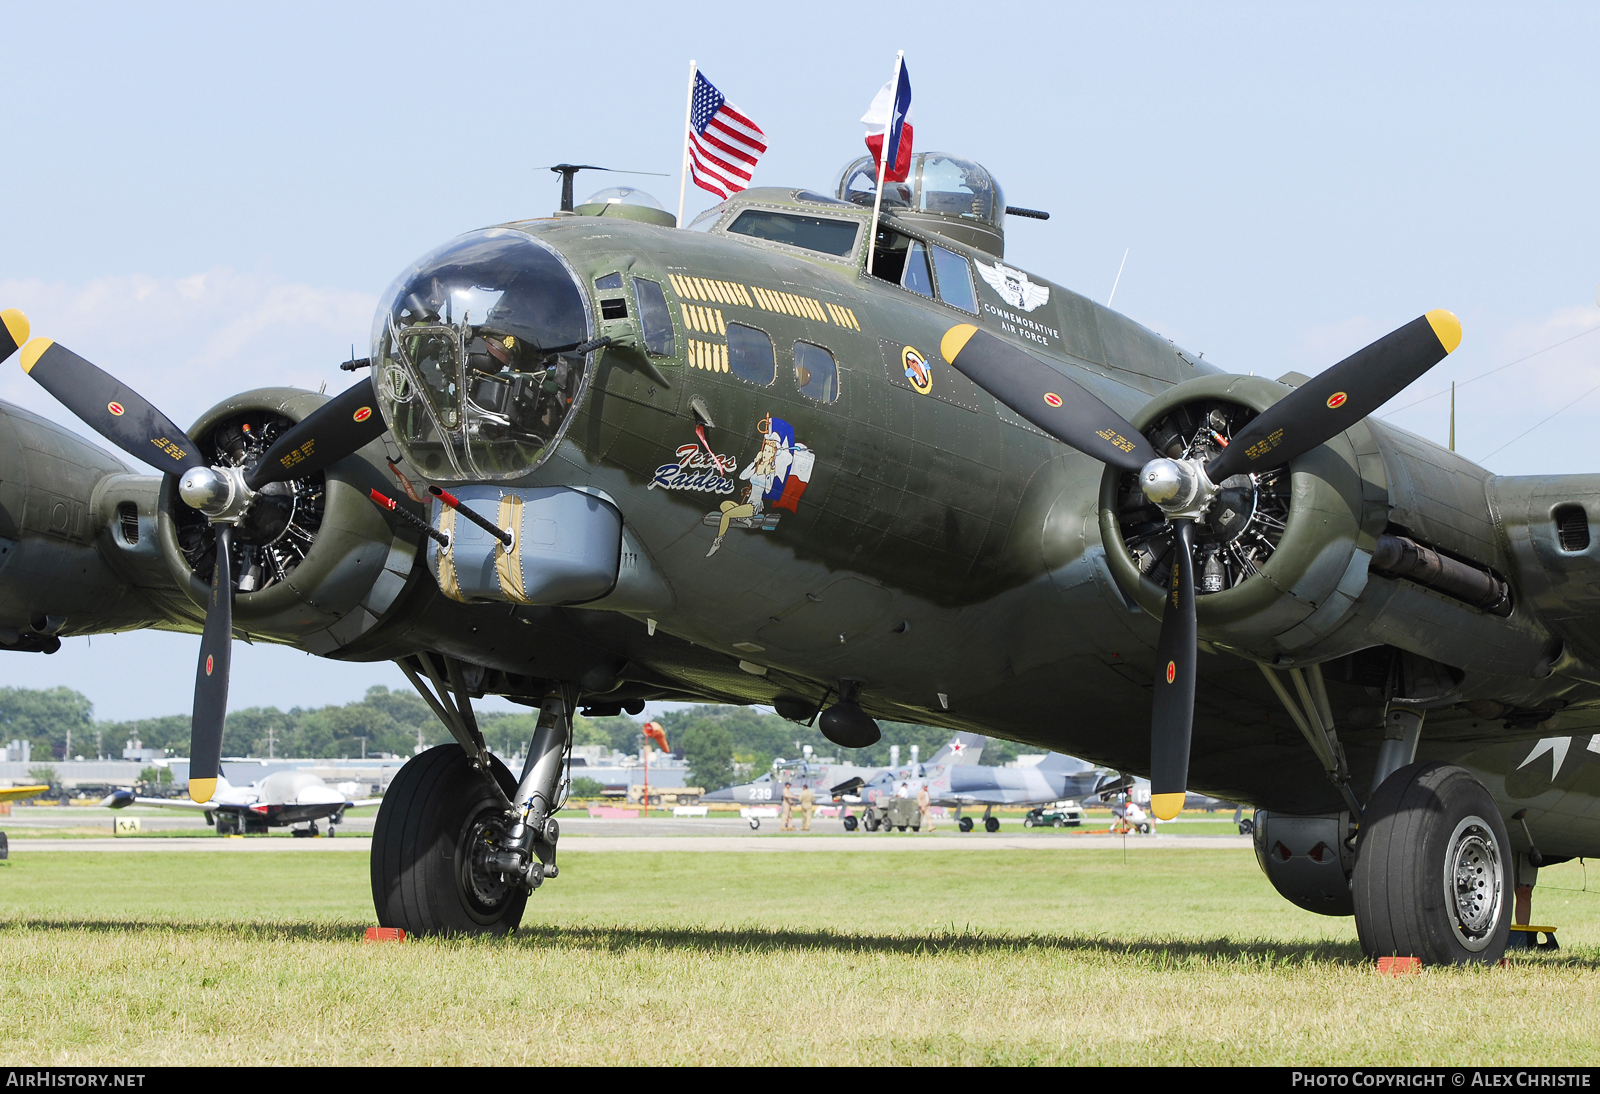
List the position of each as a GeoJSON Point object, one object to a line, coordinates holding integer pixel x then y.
{"type": "Point", "coordinates": [284, 799]}
{"type": "Point", "coordinates": [742, 463]}
{"type": "Point", "coordinates": [1055, 778]}
{"type": "Point", "coordinates": [965, 749]}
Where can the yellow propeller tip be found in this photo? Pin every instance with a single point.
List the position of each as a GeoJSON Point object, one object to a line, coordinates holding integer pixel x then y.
{"type": "Point", "coordinates": [955, 340]}
{"type": "Point", "coordinates": [1164, 806]}
{"type": "Point", "coordinates": [1446, 327]}
{"type": "Point", "coordinates": [33, 351]}
{"type": "Point", "coordinates": [202, 790]}
{"type": "Point", "coordinates": [16, 325]}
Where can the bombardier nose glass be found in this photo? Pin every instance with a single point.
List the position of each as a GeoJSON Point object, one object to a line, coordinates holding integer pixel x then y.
{"type": "Point", "coordinates": [475, 354]}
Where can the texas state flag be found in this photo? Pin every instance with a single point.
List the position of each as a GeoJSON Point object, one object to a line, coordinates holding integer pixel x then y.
{"type": "Point", "coordinates": [888, 122]}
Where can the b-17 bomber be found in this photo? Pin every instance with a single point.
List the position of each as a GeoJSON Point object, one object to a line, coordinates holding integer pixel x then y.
{"type": "Point", "coordinates": [598, 459]}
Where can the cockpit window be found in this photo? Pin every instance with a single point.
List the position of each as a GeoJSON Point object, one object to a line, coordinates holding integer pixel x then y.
{"type": "Point", "coordinates": [955, 279]}
{"type": "Point", "coordinates": [903, 260]}
{"type": "Point", "coordinates": [916, 277]}
{"type": "Point", "coordinates": [609, 281]}
{"type": "Point", "coordinates": [474, 350]}
{"type": "Point", "coordinates": [654, 318]}
{"type": "Point", "coordinates": [832, 237]}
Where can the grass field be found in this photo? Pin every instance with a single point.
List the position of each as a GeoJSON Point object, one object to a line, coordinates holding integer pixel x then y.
{"type": "Point", "coordinates": [1179, 957]}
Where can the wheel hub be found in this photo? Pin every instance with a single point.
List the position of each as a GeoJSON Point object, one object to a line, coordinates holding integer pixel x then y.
{"type": "Point", "coordinates": [481, 879]}
{"type": "Point", "coordinates": [1473, 883]}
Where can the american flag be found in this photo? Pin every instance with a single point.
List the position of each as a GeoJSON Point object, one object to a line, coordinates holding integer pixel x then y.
{"type": "Point", "coordinates": [724, 145]}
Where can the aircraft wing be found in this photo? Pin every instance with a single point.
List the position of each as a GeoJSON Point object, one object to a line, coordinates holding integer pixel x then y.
{"type": "Point", "coordinates": [15, 793]}
{"type": "Point", "coordinates": [121, 799]}
{"type": "Point", "coordinates": [360, 802]}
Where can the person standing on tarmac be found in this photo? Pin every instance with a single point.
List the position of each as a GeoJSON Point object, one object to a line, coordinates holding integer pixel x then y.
{"type": "Point", "coordinates": [808, 805]}
{"type": "Point", "coordinates": [788, 808]}
{"type": "Point", "coordinates": [925, 807]}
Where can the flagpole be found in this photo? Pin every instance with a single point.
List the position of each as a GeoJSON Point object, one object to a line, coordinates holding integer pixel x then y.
{"type": "Point", "coordinates": [883, 160]}
{"type": "Point", "coordinates": [688, 114]}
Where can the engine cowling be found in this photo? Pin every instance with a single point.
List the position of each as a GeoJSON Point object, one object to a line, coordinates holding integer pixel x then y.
{"type": "Point", "coordinates": [1280, 558]}
{"type": "Point", "coordinates": [317, 563]}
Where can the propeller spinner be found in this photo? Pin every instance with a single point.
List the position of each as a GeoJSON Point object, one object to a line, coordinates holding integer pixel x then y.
{"type": "Point", "coordinates": [1184, 489]}
{"type": "Point", "coordinates": [223, 493]}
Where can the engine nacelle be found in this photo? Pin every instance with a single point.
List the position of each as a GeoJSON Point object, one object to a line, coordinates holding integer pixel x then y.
{"type": "Point", "coordinates": [1285, 567]}
{"type": "Point", "coordinates": [318, 563]}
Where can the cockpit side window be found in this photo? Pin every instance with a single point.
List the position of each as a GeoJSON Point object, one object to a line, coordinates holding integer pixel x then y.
{"type": "Point", "coordinates": [655, 321]}
{"type": "Point", "coordinates": [903, 260]}
{"type": "Point", "coordinates": [955, 279]}
{"type": "Point", "coordinates": [916, 277]}
{"type": "Point", "coordinates": [750, 355]}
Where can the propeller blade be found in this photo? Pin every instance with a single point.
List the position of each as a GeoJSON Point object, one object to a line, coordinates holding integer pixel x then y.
{"type": "Point", "coordinates": [211, 677]}
{"type": "Point", "coordinates": [1172, 720]}
{"type": "Point", "coordinates": [116, 412]}
{"type": "Point", "coordinates": [1047, 398]}
{"type": "Point", "coordinates": [327, 435]}
{"type": "Point", "coordinates": [13, 332]}
{"type": "Point", "coordinates": [1329, 403]}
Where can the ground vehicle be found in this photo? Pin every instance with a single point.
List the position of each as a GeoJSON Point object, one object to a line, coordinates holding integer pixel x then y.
{"type": "Point", "coordinates": [1065, 814]}
{"type": "Point", "coordinates": [901, 813]}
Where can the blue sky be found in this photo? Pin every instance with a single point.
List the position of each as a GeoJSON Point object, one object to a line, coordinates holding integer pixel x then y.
{"type": "Point", "coordinates": [207, 198]}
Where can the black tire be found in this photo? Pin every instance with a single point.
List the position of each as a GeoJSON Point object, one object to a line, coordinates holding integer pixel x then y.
{"type": "Point", "coordinates": [1027, 822]}
{"type": "Point", "coordinates": [991, 824]}
{"type": "Point", "coordinates": [431, 821]}
{"type": "Point", "coordinates": [1433, 869]}
{"type": "Point", "coordinates": [850, 824]}
{"type": "Point", "coordinates": [965, 824]}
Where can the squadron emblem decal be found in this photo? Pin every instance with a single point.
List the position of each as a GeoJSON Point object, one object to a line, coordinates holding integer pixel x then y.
{"type": "Point", "coordinates": [1013, 286]}
{"type": "Point", "coordinates": [115, 408]}
{"type": "Point", "coordinates": [1172, 671]}
{"type": "Point", "coordinates": [778, 475]}
{"type": "Point", "coordinates": [918, 374]}
{"type": "Point", "coordinates": [363, 414]}
{"type": "Point", "coordinates": [1052, 398]}
{"type": "Point", "coordinates": [1337, 400]}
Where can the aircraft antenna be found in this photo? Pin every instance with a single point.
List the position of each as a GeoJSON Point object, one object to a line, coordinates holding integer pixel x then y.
{"type": "Point", "coordinates": [1118, 281]}
{"type": "Point", "coordinates": [688, 119]}
{"type": "Point", "coordinates": [1452, 415]}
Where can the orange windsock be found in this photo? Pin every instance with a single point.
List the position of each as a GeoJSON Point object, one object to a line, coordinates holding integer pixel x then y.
{"type": "Point", "coordinates": [654, 732]}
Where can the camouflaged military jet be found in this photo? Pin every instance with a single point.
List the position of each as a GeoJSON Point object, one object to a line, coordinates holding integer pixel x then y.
{"type": "Point", "coordinates": [600, 459]}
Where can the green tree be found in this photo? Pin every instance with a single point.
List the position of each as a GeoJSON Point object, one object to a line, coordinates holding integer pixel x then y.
{"type": "Point", "coordinates": [44, 717]}
{"type": "Point", "coordinates": [44, 773]}
{"type": "Point", "coordinates": [586, 788]}
{"type": "Point", "coordinates": [707, 746]}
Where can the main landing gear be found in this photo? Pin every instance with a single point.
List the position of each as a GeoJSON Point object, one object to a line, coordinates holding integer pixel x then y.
{"type": "Point", "coordinates": [1425, 865]}
{"type": "Point", "coordinates": [459, 844]}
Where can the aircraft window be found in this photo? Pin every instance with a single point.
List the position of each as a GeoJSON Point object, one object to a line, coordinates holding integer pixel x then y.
{"type": "Point", "coordinates": [833, 237]}
{"type": "Point", "coordinates": [750, 355]}
{"type": "Point", "coordinates": [903, 260]}
{"type": "Point", "coordinates": [609, 281]}
{"type": "Point", "coordinates": [816, 372]}
{"type": "Point", "coordinates": [955, 279]}
{"type": "Point", "coordinates": [916, 276]}
{"type": "Point", "coordinates": [654, 318]}
{"type": "Point", "coordinates": [959, 188]}
{"type": "Point", "coordinates": [473, 355]}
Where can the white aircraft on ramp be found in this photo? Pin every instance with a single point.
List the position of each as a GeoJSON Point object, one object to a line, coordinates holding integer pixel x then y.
{"type": "Point", "coordinates": [285, 799]}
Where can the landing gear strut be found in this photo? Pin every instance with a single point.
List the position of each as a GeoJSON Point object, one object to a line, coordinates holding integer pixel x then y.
{"type": "Point", "coordinates": [459, 844]}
